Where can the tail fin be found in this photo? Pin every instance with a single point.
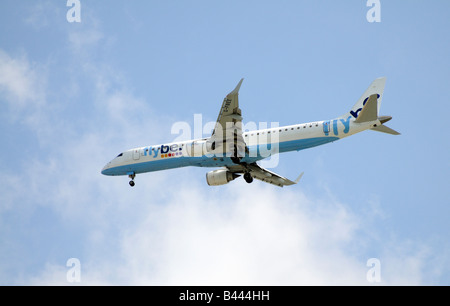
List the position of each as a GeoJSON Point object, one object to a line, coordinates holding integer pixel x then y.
{"type": "Point", "coordinates": [368, 107]}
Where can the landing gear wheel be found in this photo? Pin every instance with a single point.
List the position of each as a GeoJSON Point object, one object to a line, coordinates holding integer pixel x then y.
{"type": "Point", "coordinates": [248, 178]}
{"type": "Point", "coordinates": [132, 176]}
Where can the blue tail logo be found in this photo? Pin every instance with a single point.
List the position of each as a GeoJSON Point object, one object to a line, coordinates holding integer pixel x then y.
{"type": "Point", "coordinates": [355, 114]}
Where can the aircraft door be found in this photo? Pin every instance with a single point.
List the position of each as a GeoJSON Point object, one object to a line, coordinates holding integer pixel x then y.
{"type": "Point", "coordinates": [196, 149]}
{"type": "Point", "coordinates": [326, 127]}
{"type": "Point", "coordinates": [136, 154]}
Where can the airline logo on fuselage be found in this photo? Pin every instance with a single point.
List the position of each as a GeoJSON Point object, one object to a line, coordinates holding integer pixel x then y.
{"type": "Point", "coordinates": [163, 151]}
{"type": "Point", "coordinates": [334, 124]}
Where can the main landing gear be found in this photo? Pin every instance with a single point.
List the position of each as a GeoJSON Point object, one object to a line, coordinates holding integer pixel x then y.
{"type": "Point", "coordinates": [132, 176]}
{"type": "Point", "coordinates": [247, 177]}
{"type": "Point", "coordinates": [235, 159]}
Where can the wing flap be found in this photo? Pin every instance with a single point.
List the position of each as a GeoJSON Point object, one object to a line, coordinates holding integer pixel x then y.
{"type": "Point", "coordinates": [270, 177]}
{"type": "Point", "coordinates": [264, 175]}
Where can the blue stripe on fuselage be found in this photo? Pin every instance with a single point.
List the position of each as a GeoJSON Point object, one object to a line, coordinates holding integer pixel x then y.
{"type": "Point", "coordinates": [154, 165]}
{"type": "Point", "coordinates": [301, 144]}
{"type": "Point", "coordinates": [207, 161]}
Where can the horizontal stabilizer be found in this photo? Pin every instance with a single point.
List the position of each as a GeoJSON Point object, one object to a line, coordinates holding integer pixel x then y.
{"type": "Point", "coordinates": [384, 119]}
{"type": "Point", "coordinates": [385, 129]}
{"type": "Point", "coordinates": [369, 111]}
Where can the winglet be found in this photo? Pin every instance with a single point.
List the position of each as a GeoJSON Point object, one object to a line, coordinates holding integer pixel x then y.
{"type": "Point", "coordinates": [299, 177]}
{"type": "Point", "coordinates": [238, 86]}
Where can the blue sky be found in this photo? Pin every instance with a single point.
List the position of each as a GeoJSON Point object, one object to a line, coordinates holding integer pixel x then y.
{"type": "Point", "coordinates": [74, 95]}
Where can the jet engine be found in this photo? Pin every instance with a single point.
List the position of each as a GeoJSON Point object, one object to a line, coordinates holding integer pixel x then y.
{"type": "Point", "coordinates": [220, 177]}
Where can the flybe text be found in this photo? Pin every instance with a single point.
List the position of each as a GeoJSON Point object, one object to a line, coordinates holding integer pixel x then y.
{"type": "Point", "coordinates": [174, 150]}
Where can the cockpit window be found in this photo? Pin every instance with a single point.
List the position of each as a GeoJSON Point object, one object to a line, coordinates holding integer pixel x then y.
{"type": "Point", "coordinates": [120, 155]}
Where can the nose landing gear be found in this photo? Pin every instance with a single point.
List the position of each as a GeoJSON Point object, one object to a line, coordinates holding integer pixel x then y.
{"type": "Point", "coordinates": [132, 176]}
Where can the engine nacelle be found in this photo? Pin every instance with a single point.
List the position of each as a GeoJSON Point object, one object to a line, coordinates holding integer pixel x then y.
{"type": "Point", "coordinates": [220, 177]}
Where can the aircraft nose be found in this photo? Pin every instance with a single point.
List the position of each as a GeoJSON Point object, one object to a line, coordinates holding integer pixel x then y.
{"type": "Point", "coordinates": [105, 169]}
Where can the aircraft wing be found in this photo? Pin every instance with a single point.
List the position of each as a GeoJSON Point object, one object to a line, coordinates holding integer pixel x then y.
{"type": "Point", "coordinates": [227, 134]}
{"type": "Point", "coordinates": [264, 175]}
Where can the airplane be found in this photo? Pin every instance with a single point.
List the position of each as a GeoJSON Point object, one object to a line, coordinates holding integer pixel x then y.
{"type": "Point", "coordinates": [238, 152]}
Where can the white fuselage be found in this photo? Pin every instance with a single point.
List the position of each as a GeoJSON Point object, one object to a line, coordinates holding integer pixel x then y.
{"type": "Point", "coordinates": [260, 143]}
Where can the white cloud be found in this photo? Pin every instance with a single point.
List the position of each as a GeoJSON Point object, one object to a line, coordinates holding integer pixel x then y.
{"type": "Point", "coordinates": [23, 88]}
{"type": "Point", "coordinates": [235, 235]}
{"type": "Point", "coordinates": [19, 81]}
{"type": "Point", "coordinates": [241, 235]}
